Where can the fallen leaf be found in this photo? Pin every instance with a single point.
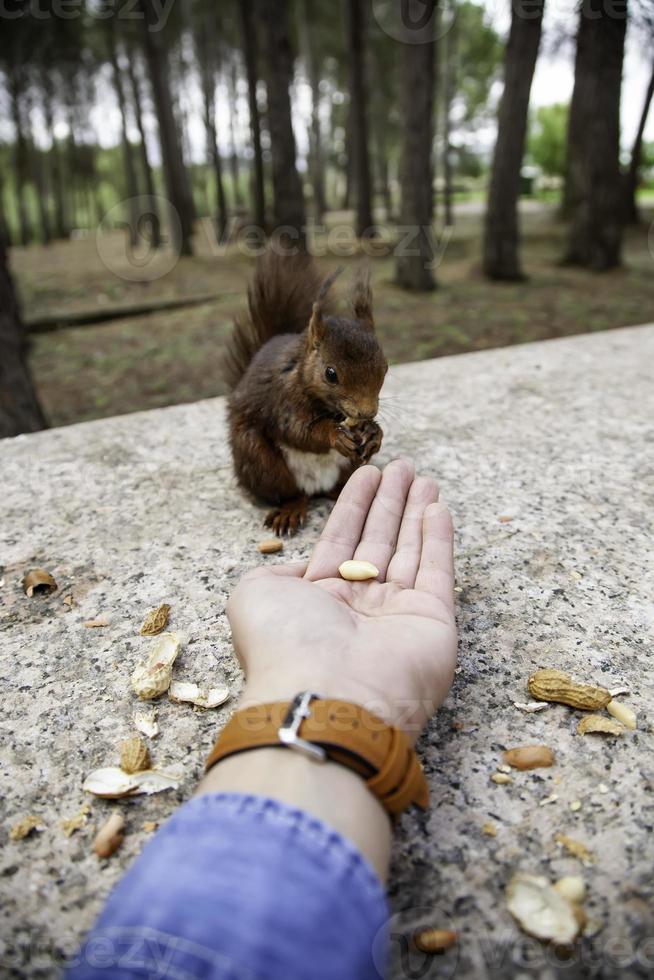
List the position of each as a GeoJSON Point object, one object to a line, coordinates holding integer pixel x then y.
{"type": "Point", "coordinates": [540, 910]}
{"type": "Point", "coordinates": [93, 624]}
{"type": "Point", "coordinates": [575, 848]}
{"type": "Point", "coordinates": [25, 826]}
{"type": "Point", "coordinates": [156, 620]}
{"type": "Point", "coordinates": [39, 582]}
{"type": "Point", "coordinates": [77, 822]}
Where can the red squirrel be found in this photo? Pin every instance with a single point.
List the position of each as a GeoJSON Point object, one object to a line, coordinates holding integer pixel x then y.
{"type": "Point", "coordinates": [305, 386]}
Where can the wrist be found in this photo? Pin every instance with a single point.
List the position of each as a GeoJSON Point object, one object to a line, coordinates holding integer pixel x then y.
{"type": "Point", "coordinates": [408, 714]}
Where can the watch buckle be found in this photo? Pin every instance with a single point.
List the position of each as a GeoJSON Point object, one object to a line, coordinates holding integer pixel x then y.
{"type": "Point", "coordinates": [288, 731]}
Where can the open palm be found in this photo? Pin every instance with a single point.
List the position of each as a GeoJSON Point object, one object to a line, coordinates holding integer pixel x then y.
{"type": "Point", "coordinates": [389, 644]}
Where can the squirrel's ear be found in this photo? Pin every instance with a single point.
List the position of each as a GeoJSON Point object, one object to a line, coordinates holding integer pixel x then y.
{"type": "Point", "coordinates": [362, 298]}
{"type": "Point", "coordinates": [316, 326]}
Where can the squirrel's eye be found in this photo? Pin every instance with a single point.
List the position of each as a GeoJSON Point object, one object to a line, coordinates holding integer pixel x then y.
{"type": "Point", "coordinates": [331, 375]}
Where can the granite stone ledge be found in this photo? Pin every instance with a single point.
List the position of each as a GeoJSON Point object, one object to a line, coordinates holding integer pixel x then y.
{"type": "Point", "coordinates": [133, 511]}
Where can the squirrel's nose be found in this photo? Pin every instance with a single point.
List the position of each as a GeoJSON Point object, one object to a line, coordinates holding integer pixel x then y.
{"type": "Point", "coordinates": [367, 411]}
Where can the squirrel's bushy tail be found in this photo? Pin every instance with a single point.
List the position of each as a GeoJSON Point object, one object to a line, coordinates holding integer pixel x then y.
{"type": "Point", "coordinates": [280, 300]}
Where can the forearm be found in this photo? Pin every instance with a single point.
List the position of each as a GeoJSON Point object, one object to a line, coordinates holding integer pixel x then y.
{"type": "Point", "coordinates": [328, 791]}
{"type": "Point", "coordinates": [236, 886]}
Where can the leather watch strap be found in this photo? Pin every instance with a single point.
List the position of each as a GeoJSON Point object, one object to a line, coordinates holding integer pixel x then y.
{"type": "Point", "coordinates": [326, 728]}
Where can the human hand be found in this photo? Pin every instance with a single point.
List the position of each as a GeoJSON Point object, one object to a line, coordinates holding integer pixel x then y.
{"type": "Point", "coordinates": [388, 644]}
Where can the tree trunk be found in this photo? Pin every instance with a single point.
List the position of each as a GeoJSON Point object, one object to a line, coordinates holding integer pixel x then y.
{"type": "Point", "coordinates": [37, 166]}
{"type": "Point", "coordinates": [72, 185]}
{"type": "Point", "coordinates": [415, 252]}
{"type": "Point", "coordinates": [287, 187]}
{"type": "Point", "coordinates": [213, 152]}
{"type": "Point", "coordinates": [595, 190]}
{"type": "Point", "coordinates": [233, 119]}
{"type": "Point", "coordinates": [5, 236]}
{"type": "Point", "coordinates": [128, 159]}
{"type": "Point", "coordinates": [502, 235]}
{"type": "Point", "coordinates": [250, 53]}
{"type": "Point", "coordinates": [21, 165]}
{"type": "Point", "coordinates": [632, 176]}
{"type": "Point", "coordinates": [173, 164]}
{"type": "Point", "coordinates": [449, 91]}
{"type": "Point", "coordinates": [19, 406]}
{"type": "Point", "coordinates": [60, 223]}
{"type": "Point", "coordinates": [359, 111]}
{"type": "Point", "coordinates": [315, 135]}
{"type": "Point", "coordinates": [39, 176]}
{"type": "Point", "coordinates": [381, 148]}
{"type": "Point", "coordinates": [155, 220]}
{"type": "Point", "coordinates": [350, 177]}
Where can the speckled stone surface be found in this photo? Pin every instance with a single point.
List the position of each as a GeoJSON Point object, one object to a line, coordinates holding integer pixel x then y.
{"type": "Point", "coordinates": [131, 512]}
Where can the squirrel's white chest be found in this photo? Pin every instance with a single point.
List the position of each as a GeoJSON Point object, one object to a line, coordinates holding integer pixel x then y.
{"type": "Point", "coordinates": [313, 472]}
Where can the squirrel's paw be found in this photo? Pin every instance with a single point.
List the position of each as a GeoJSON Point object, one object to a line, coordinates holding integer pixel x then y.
{"type": "Point", "coordinates": [289, 518]}
{"type": "Point", "coordinates": [347, 442]}
{"type": "Point", "coordinates": [371, 436]}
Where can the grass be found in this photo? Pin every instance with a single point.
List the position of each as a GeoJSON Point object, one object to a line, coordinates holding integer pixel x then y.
{"type": "Point", "coordinates": [166, 358]}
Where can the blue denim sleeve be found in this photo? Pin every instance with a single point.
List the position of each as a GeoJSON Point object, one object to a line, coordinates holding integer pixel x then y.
{"type": "Point", "coordinates": [241, 887]}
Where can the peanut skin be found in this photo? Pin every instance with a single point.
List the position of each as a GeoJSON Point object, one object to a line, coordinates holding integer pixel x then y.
{"type": "Point", "coordinates": [529, 757]}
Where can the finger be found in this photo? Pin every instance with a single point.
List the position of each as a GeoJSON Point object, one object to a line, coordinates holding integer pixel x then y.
{"type": "Point", "coordinates": [436, 571]}
{"type": "Point", "coordinates": [379, 536]}
{"type": "Point", "coordinates": [403, 566]}
{"type": "Point", "coordinates": [295, 569]}
{"type": "Point", "coordinates": [343, 529]}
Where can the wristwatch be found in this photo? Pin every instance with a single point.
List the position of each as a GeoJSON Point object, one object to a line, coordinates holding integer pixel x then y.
{"type": "Point", "coordinates": [328, 729]}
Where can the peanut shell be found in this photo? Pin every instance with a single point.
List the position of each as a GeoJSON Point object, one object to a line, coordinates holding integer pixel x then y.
{"type": "Point", "coordinates": [134, 755]}
{"type": "Point", "coordinates": [556, 685]}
